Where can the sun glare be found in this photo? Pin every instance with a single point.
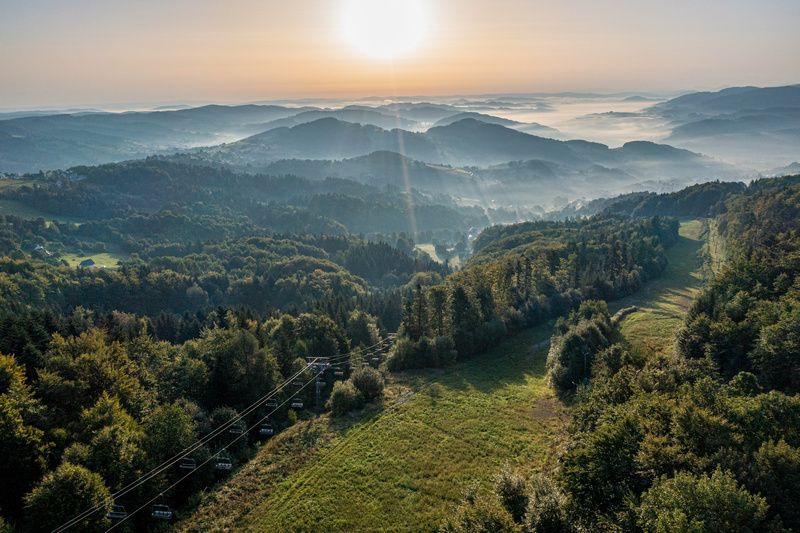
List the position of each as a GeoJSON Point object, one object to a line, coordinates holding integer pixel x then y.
{"type": "Point", "coordinates": [385, 29]}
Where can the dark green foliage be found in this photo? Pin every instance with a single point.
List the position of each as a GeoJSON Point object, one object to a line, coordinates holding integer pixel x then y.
{"type": "Point", "coordinates": [344, 398]}
{"type": "Point", "coordinates": [527, 273]}
{"type": "Point", "coordinates": [583, 334]}
{"type": "Point", "coordinates": [748, 316]}
{"type": "Point", "coordinates": [479, 513]}
{"type": "Point", "coordinates": [64, 494]}
{"type": "Point", "coordinates": [545, 511]}
{"type": "Point", "coordinates": [514, 504]}
{"type": "Point", "coordinates": [598, 474]}
{"type": "Point", "coordinates": [426, 352]}
{"type": "Point", "coordinates": [701, 504]}
{"type": "Point", "coordinates": [369, 382]}
{"type": "Point", "coordinates": [774, 473]}
{"type": "Point", "coordinates": [24, 450]}
{"type": "Point", "coordinates": [510, 488]}
{"type": "Point", "coordinates": [169, 429]}
{"type": "Point", "coordinates": [700, 201]}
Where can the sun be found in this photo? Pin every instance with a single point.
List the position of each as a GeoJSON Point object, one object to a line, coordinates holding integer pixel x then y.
{"type": "Point", "coordinates": [385, 29]}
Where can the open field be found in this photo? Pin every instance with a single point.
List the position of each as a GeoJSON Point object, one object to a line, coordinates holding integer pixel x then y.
{"type": "Point", "coordinates": [107, 259]}
{"type": "Point", "coordinates": [662, 303]}
{"type": "Point", "coordinates": [402, 467]}
{"type": "Point", "coordinates": [429, 249]}
{"type": "Point", "coordinates": [5, 182]}
{"type": "Point", "coordinates": [8, 207]}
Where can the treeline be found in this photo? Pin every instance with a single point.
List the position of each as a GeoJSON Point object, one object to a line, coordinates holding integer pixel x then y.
{"type": "Point", "coordinates": [290, 272]}
{"type": "Point", "coordinates": [206, 196]}
{"type": "Point", "coordinates": [90, 402]}
{"type": "Point", "coordinates": [698, 201]}
{"type": "Point", "coordinates": [702, 439]}
{"type": "Point", "coordinates": [747, 317]}
{"type": "Point", "coordinates": [526, 278]}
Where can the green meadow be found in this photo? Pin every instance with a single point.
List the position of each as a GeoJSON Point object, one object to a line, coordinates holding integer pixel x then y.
{"type": "Point", "coordinates": [402, 465]}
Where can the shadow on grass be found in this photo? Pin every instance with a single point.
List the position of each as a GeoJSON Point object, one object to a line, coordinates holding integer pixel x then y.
{"type": "Point", "coordinates": [512, 362]}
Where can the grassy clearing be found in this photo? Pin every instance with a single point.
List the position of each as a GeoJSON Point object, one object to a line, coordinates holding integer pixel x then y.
{"type": "Point", "coordinates": [429, 249]}
{"type": "Point", "coordinates": [13, 184]}
{"type": "Point", "coordinates": [107, 259]}
{"type": "Point", "coordinates": [403, 466]}
{"type": "Point", "coordinates": [9, 207]}
{"type": "Point", "coordinates": [662, 303]}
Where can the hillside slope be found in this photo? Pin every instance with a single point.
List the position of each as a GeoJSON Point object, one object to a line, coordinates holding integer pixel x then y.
{"type": "Point", "coordinates": [403, 467]}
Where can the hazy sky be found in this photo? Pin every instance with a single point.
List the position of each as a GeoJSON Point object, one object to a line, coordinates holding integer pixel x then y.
{"type": "Point", "coordinates": [79, 52]}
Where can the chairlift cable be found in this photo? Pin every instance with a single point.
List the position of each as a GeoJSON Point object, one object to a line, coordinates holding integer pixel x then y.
{"type": "Point", "coordinates": [213, 456]}
{"type": "Point", "coordinates": [170, 462]}
{"type": "Point", "coordinates": [197, 444]}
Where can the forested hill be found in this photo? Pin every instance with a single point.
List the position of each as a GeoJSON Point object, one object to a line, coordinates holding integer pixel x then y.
{"type": "Point", "coordinates": [107, 374]}
{"type": "Point", "coordinates": [217, 197]}
{"type": "Point", "coordinates": [746, 320]}
{"type": "Point", "coordinates": [702, 437]}
{"type": "Point", "coordinates": [525, 279]}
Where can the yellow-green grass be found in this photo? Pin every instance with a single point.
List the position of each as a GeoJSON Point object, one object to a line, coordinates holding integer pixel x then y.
{"type": "Point", "coordinates": [107, 259]}
{"type": "Point", "coordinates": [402, 466]}
{"type": "Point", "coordinates": [663, 302]}
{"type": "Point", "coordinates": [14, 183]}
{"type": "Point", "coordinates": [10, 207]}
{"type": "Point", "coordinates": [430, 249]}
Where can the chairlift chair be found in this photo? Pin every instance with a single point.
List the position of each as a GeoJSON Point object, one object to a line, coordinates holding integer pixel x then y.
{"type": "Point", "coordinates": [338, 373]}
{"type": "Point", "coordinates": [187, 463]}
{"type": "Point", "coordinates": [161, 512]}
{"type": "Point", "coordinates": [298, 383]}
{"type": "Point", "coordinates": [297, 403]}
{"type": "Point", "coordinates": [117, 512]}
{"type": "Point", "coordinates": [236, 429]}
{"type": "Point", "coordinates": [224, 463]}
{"type": "Point", "coordinates": [320, 383]}
{"type": "Point", "coordinates": [266, 429]}
{"type": "Point", "coordinates": [271, 403]}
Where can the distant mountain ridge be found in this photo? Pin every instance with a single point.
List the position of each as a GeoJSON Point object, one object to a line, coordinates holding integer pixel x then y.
{"type": "Point", "coordinates": [755, 126]}
{"type": "Point", "coordinates": [734, 99]}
